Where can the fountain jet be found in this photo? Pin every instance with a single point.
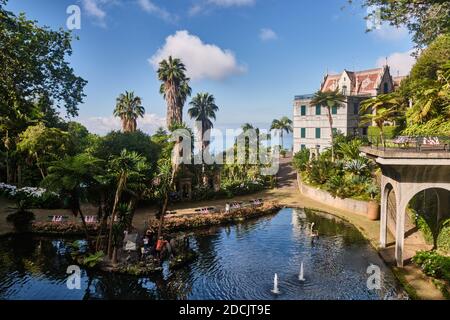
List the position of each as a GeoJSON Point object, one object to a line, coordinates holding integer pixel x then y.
{"type": "Point", "coordinates": [301, 276]}
{"type": "Point", "coordinates": [275, 285]}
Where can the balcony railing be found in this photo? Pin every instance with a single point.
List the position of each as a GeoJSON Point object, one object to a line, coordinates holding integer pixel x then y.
{"type": "Point", "coordinates": [411, 143]}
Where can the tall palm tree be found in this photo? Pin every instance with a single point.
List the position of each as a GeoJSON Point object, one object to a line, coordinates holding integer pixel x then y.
{"type": "Point", "coordinates": [284, 125]}
{"type": "Point", "coordinates": [203, 109]}
{"type": "Point", "coordinates": [129, 108]}
{"type": "Point", "coordinates": [328, 100]}
{"type": "Point", "coordinates": [175, 88]}
{"type": "Point", "coordinates": [379, 110]}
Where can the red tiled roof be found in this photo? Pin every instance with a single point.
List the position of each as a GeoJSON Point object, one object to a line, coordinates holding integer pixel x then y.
{"type": "Point", "coordinates": [363, 82]}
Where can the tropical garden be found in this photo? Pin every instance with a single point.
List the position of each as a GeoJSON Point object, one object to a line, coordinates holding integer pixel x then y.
{"type": "Point", "coordinates": [47, 161]}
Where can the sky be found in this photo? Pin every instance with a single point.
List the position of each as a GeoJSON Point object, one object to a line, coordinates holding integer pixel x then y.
{"type": "Point", "coordinates": [254, 56]}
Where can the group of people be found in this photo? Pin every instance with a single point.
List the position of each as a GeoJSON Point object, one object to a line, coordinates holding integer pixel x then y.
{"type": "Point", "coordinates": [158, 247]}
{"type": "Point", "coordinates": [151, 245]}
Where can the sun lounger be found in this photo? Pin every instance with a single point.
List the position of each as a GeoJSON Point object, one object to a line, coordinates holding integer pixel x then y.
{"type": "Point", "coordinates": [91, 219]}
{"type": "Point", "coordinates": [57, 219]}
{"type": "Point", "coordinates": [433, 144]}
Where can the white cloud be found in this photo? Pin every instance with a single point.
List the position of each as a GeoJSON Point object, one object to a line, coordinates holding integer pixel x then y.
{"type": "Point", "coordinates": [205, 5]}
{"type": "Point", "coordinates": [399, 62]}
{"type": "Point", "coordinates": [150, 7]}
{"type": "Point", "coordinates": [390, 33]}
{"type": "Point", "coordinates": [267, 34]}
{"type": "Point", "coordinates": [92, 7]}
{"type": "Point", "coordinates": [103, 125]}
{"type": "Point", "coordinates": [202, 60]}
{"type": "Point", "coordinates": [231, 3]}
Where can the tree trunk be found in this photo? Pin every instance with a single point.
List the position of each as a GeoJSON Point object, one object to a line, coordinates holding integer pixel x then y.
{"type": "Point", "coordinates": [330, 120]}
{"type": "Point", "coordinates": [8, 169]}
{"type": "Point", "coordinates": [86, 231]}
{"type": "Point", "coordinates": [120, 185]}
{"type": "Point", "coordinates": [381, 135]}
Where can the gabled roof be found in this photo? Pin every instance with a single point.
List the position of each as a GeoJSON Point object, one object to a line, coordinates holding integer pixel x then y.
{"type": "Point", "coordinates": [362, 82]}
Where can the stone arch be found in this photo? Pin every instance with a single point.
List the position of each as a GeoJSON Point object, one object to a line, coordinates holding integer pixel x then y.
{"type": "Point", "coordinates": [440, 212]}
{"type": "Point", "coordinates": [388, 217]}
{"type": "Point", "coordinates": [406, 191]}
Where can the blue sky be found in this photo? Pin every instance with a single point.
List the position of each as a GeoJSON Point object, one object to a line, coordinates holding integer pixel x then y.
{"type": "Point", "coordinates": [253, 55]}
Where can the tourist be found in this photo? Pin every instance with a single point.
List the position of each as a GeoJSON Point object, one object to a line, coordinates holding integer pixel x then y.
{"type": "Point", "coordinates": [160, 245]}
{"type": "Point", "coordinates": [227, 207]}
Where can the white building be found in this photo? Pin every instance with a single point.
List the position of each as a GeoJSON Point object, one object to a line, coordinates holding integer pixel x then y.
{"type": "Point", "coordinates": [311, 125]}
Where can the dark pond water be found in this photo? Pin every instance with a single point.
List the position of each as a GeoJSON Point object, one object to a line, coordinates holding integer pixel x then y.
{"type": "Point", "coordinates": [235, 262]}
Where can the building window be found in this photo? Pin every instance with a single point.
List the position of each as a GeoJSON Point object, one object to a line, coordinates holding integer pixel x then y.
{"type": "Point", "coordinates": [303, 111]}
{"type": "Point", "coordinates": [364, 131]}
{"type": "Point", "coordinates": [334, 110]}
{"type": "Point", "coordinates": [302, 147]}
{"type": "Point", "coordinates": [386, 88]}
{"type": "Point", "coordinates": [356, 108]}
{"type": "Point", "coordinates": [317, 133]}
{"type": "Point", "coordinates": [318, 110]}
{"type": "Point", "coordinates": [303, 133]}
{"type": "Point", "coordinates": [344, 90]}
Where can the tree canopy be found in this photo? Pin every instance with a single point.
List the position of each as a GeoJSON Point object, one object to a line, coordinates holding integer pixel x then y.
{"type": "Point", "coordinates": [425, 19]}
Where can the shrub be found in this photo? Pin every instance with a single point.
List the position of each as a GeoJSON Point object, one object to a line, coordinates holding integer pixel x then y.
{"type": "Point", "coordinates": [389, 132]}
{"type": "Point", "coordinates": [31, 197]}
{"type": "Point", "coordinates": [433, 264]}
{"type": "Point", "coordinates": [21, 219]}
{"type": "Point", "coordinates": [301, 160]}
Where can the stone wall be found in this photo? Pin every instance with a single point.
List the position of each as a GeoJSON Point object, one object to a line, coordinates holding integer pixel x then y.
{"type": "Point", "coordinates": [355, 206]}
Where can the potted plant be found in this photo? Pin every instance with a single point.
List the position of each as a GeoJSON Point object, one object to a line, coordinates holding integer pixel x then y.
{"type": "Point", "coordinates": [373, 208]}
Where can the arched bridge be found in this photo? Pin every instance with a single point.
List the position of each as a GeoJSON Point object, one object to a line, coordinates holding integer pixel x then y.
{"type": "Point", "coordinates": [406, 173]}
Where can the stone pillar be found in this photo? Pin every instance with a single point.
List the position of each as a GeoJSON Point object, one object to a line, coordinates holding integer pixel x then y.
{"type": "Point", "coordinates": [400, 226]}
{"type": "Point", "coordinates": [383, 218]}
{"type": "Point", "coordinates": [443, 209]}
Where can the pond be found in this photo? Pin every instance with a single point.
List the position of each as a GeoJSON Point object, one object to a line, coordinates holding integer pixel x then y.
{"type": "Point", "coordinates": [235, 262]}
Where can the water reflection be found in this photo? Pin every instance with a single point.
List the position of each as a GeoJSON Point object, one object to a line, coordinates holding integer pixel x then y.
{"type": "Point", "coordinates": [235, 262]}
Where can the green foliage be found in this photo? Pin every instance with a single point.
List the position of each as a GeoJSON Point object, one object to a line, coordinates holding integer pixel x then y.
{"type": "Point", "coordinates": [443, 240]}
{"type": "Point", "coordinates": [348, 150]}
{"type": "Point", "coordinates": [320, 171]}
{"type": "Point", "coordinates": [349, 176]}
{"type": "Point", "coordinates": [113, 143]}
{"type": "Point", "coordinates": [432, 59]}
{"type": "Point", "coordinates": [428, 87]}
{"type": "Point", "coordinates": [43, 144]}
{"type": "Point", "coordinates": [389, 132]}
{"type": "Point", "coordinates": [425, 19]}
{"type": "Point", "coordinates": [129, 108]}
{"type": "Point", "coordinates": [33, 60]}
{"type": "Point", "coordinates": [93, 260]}
{"type": "Point", "coordinates": [433, 264]}
{"type": "Point", "coordinates": [301, 160]}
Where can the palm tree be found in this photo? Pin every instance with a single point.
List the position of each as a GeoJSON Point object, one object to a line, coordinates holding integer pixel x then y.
{"type": "Point", "coordinates": [70, 177]}
{"type": "Point", "coordinates": [381, 109]}
{"type": "Point", "coordinates": [175, 88]}
{"type": "Point", "coordinates": [329, 99]}
{"type": "Point", "coordinates": [124, 165]}
{"type": "Point", "coordinates": [129, 108]}
{"type": "Point", "coordinates": [247, 126]}
{"type": "Point", "coordinates": [203, 109]}
{"type": "Point", "coordinates": [284, 125]}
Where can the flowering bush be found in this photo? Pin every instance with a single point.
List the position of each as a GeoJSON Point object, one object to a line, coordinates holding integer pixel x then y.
{"type": "Point", "coordinates": [201, 220]}
{"type": "Point", "coordinates": [31, 197]}
{"type": "Point", "coordinates": [66, 228]}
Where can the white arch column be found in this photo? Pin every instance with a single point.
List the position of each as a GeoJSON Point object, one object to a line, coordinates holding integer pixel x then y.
{"type": "Point", "coordinates": [401, 204]}
{"type": "Point", "coordinates": [384, 211]}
